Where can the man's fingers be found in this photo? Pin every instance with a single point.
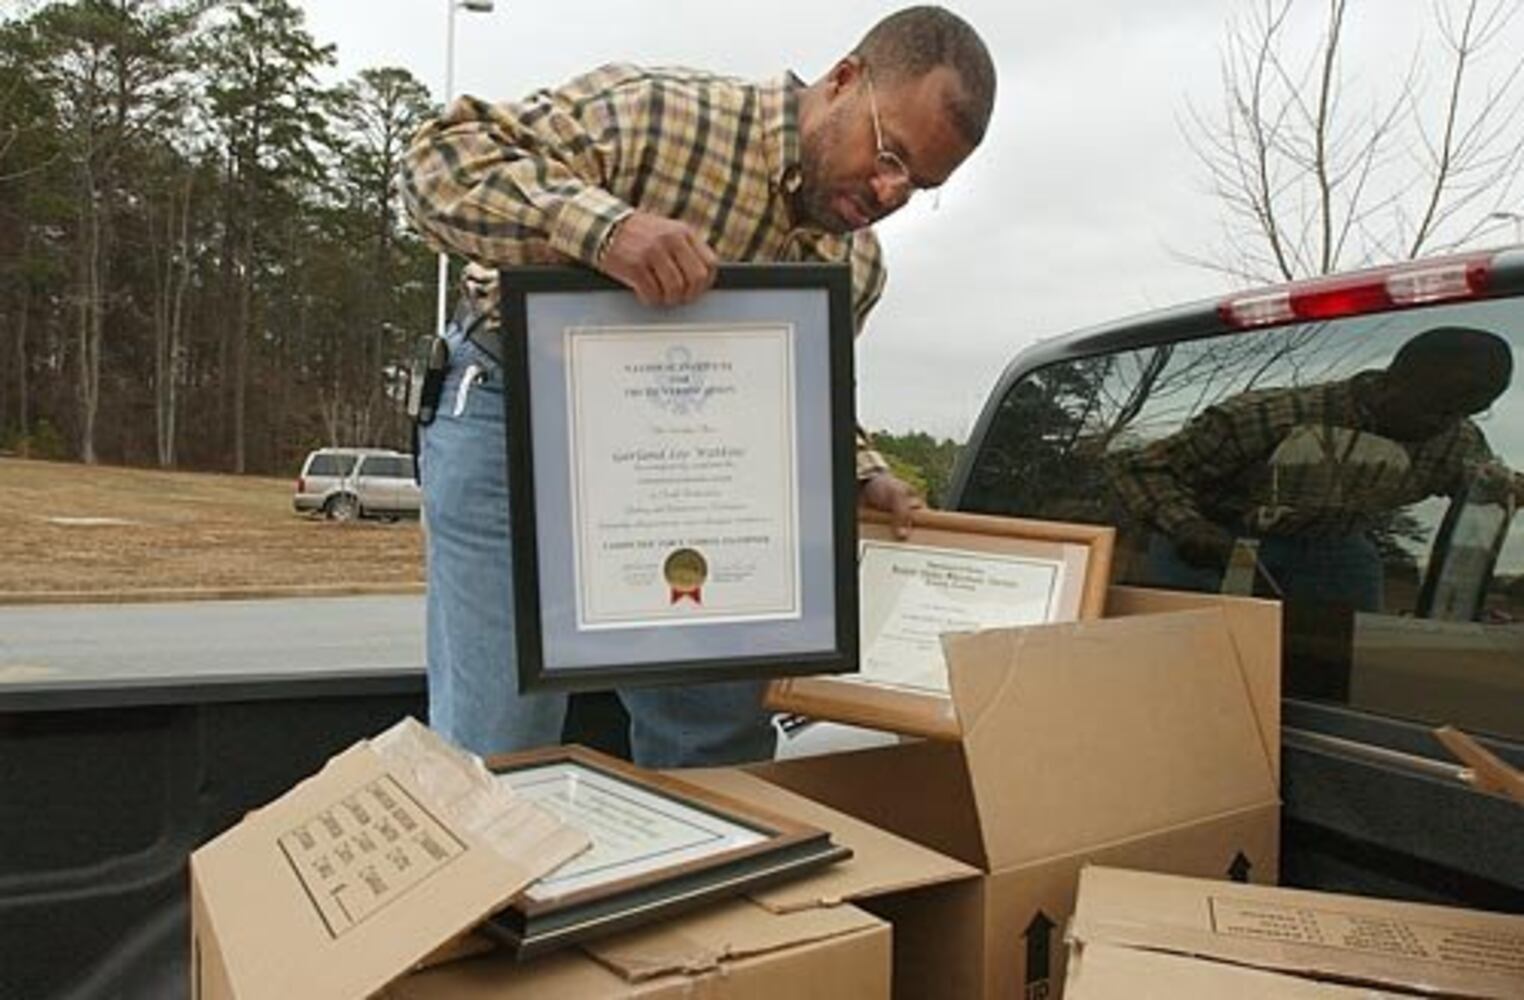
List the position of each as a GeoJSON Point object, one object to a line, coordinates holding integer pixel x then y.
{"type": "Point", "coordinates": [903, 516]}
{"type": "Point", "coordinates": [888, 493]}
{"type": "Point", "coordinates": [647, 289]}
{"type": "Point", "coordinates": [634, 276]}
{"type": "Point", "coordinates": [705, 251]}
{"type": "Point", "coordinates": [672, 284]}
{"type": "Point", "coordinates": [698, 275]}
{"type": "Point", "coordinates": [665, 261]}
{"type": "Point", "coordinates": [705, 261]}
{"type": "Point", "coordinates": [685, 272]}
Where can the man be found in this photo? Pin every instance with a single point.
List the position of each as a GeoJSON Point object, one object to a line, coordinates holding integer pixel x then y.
{"type": "Point", "coordinates": [653, 177]}
{"type": "Point", "coordinates": [1306, 472]}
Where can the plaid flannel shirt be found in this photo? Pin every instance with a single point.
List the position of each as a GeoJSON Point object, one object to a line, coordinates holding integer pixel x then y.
{"type": "Point", "coordinates": [1218, 467]}
{"type": "Point", "coordinates": [549, 178]}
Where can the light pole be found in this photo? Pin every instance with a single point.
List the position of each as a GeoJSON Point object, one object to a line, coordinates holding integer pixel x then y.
{"type": "Point", "coordinates": [1517, 218]}
{"type": "Point", "coordinates": [476, 7]}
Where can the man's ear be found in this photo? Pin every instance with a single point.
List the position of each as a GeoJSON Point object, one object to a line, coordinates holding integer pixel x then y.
{"type": "Point", "coordinates": [843, 76]}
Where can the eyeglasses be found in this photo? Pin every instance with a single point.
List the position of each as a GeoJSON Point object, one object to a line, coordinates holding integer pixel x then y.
{"type": "Point", "coordinates": [890, 167]}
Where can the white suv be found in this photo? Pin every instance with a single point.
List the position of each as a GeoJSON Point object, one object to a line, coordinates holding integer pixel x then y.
{"type": "Point", "coordinates": [346, 483]}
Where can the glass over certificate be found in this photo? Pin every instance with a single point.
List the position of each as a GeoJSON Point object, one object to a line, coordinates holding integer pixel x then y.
{"type": "Point", "coordinates": [911, 594]}
{"type": "Point", "coordinates": [634, 831]}
{"type": "Point", "coordinates": [680, 479]}
{"type": "Point", "coordinates": [956, 573]}
{"type": "Point", "coordinates": [684, 471]}
{"type": "Point", "coordinates": [659, 846]}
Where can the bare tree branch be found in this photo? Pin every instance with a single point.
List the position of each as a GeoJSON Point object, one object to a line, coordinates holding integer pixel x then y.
{"type": "Point", "coordinates": [1462, 47]}
{"type": "Point", "coordinates": [1326, 85]}
{"type": "Point", "coordinates": [1309, 184]}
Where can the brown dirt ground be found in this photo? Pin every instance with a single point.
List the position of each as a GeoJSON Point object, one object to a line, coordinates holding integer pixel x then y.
{"type": "Point", "coordinates": [183, 531]}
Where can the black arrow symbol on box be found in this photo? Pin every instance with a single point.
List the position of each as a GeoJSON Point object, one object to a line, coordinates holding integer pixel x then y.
{"type": "Point", "coordinates": [1239, 870]}
{"type": "Point", "coordinates": [1039, 935]}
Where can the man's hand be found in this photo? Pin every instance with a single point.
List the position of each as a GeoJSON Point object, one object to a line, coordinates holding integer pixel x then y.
{"type": "Point", "coordinates": [665, 261]}
{"type": "Point", "coordinates": [888, 493]}
{"type": "Point", "coordinates": [1497, 482]}
{"type": "Point", "coordinates": [1204, 545]}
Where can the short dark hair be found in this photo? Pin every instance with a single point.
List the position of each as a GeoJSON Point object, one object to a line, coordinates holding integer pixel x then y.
{"type": "Point", "coordinates": [1484, 357]}
{"type": "Point", "coordinates": [912, 42]}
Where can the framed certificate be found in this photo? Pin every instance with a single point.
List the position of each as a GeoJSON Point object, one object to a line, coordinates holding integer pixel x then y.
{"type": "Point", "coordinates": [659, 846]}
{"type": "Point", "coordinates": [956, 573]}
{"type": "Point", "coordinates": [681, 479]}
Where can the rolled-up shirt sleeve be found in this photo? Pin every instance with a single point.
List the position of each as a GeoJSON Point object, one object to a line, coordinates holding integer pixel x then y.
{"type": "Point", "coordinates": [868, 280]}
{"type": "Point", "coordinates": [523, 183]}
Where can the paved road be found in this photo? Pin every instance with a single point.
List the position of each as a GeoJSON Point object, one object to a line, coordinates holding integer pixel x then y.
{"type": "Point", "coordinates": [84, 643]}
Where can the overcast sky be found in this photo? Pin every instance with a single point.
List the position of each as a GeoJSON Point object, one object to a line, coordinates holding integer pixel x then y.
{"type": "Point", "coordinates": [1075, 210]}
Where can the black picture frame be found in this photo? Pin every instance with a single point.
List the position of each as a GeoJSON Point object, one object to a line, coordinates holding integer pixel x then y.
{"type": "Point", "coordinates": [540, 305]}
{"type": "Point", "coordinates": [785, 849]}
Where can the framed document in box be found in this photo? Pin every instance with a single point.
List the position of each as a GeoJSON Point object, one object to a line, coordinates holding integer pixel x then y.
{"type": "Point", "coordinates": [682, 479]}
{"type": "Point", "coordinates": [956, 573]}
{"type": "Point", "coordinates": [659, 846]}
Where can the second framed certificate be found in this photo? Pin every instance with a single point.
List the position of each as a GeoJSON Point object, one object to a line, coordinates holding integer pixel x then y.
{"type": "Point", "coordinates": [681, 479]}
{"type": "Point", "coordinates": [659, 846]}
{"type": "Point", "coordinates": [957, 572]}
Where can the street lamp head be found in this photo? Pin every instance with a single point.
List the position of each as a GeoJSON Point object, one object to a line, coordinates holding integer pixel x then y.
{"type": "Point", "coordinates": [1517, 218]}
{"type": "Point", "coordinates": [478, 6]}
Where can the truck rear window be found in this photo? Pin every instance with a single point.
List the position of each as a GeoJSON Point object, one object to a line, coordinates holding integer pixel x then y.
{"type": "Point", "coordinates": [1292, 463]}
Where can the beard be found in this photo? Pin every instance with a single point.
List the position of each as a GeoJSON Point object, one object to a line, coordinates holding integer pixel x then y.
{"type": "Point", "coordinates": [812, 202]}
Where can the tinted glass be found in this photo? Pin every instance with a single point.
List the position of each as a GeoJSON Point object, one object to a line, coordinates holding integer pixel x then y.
{"type": "Point", "coordinates": [330, 465]}
{"type": "Point", "coordinates": [389, 467]}
{"type": "Point", "coordinates": [1374, 497]}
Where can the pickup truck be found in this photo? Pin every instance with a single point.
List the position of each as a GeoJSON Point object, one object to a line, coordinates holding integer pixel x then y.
{"type": "Point", "coordinates": [105, 789]}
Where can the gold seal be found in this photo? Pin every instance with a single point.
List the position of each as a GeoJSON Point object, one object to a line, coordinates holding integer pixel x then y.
{"type": "Point", "coordinates": [685, 572]}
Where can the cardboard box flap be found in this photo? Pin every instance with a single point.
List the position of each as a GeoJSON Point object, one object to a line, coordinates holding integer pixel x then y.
{"type": "Point", "coordinates": [1103, 972]}
{"type": "Point", "coordinates": [881, 863]}
{"type": "Point", "coordinates": [395, 847]}
{"type": "Point", "coordinates": [1255, 626]}
{"type": "Point", "coordinates": [561, 975]}
{"type": "Point", "coordinates": [936, 805]}
{"type": "Point", "coordinates": [723, 933]}
{"type": "Point", "coordinates": [709, 958]}
{"type": "Point", "coordinates": [1058, 725]}
{"type": "Point", "coordinates": [1407, 946]}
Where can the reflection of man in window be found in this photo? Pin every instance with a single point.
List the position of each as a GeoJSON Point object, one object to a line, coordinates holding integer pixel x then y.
{"type": "Point", "coordinates": [1308, 471]}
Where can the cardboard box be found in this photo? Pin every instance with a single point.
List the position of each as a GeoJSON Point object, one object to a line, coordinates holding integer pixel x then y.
{"type": "Point", "coordinates": [803, 938]}
{"type": "Point", "coordinates": [395, 848]}
{"type": "Point", "coordinates": [1137, 936]}
{"type": "Point", "coordinates": [1148, 739]}
{"type": "Point", "coordinates": [265, 923]}
{"type": "Point", "coordinates": [736, 951]}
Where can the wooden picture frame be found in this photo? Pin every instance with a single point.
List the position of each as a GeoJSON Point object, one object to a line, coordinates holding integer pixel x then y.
{"type": "Point", "coordinates": [681, 480]}
{"type": "Point", "coordinates": [950, 558]}
{"type": "Point", "coordinates": [686, 846]}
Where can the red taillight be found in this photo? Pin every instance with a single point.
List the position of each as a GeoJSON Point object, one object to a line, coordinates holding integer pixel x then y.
{"type": "Point", "coordinates": [1366, 292]}
{"type": "Point", "coordinates": [301, 485]}
{"type": "Point", "coordinates": [1326, 304]}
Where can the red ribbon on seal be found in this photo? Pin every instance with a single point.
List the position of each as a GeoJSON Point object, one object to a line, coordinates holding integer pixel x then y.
{"type": "Point", "coordinates": [694, 594]}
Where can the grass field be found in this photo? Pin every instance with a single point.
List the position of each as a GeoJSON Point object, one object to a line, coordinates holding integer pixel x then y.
{"type": "Point", "coordinates": [67, 528]}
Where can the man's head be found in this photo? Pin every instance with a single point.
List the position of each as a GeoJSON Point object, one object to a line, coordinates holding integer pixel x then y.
{"type": "Point", "coordinates": [1440, 377]}
{"type": "Point", "coordinates": [897, 115]}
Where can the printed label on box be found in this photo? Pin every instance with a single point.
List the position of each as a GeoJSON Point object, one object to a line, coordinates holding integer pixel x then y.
{"type": "Point", "coordinates": [1467, 947]}
{"type": "Point", "coordinates": [365, 851]}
